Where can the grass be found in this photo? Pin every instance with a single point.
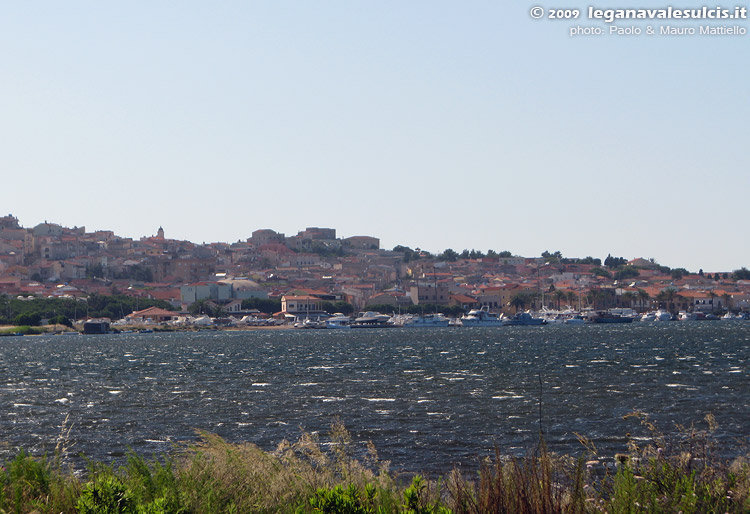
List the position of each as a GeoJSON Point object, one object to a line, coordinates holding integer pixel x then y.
{"type": "Point", "coordinates": [23, 329]}
{"type": "Point", "coordinates": [669, 474]}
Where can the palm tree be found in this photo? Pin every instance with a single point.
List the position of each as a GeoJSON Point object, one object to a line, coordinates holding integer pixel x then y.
{"type": "Point", "coordinates": [518, 301]}
{"type": "Point", "coordinates": [712, 295]}
{"type": "Point", "coordinates": [571, 296]}
{"type": "Point", "coordinates": [662, 298]}
{"type": "Point", "coordinates": [558, 295]}
{"type": "Point", "coordinates": [726, 297]}
{"type": "Point", "coordinates": [630, 297]}
{"type": "Point", "coordinates": [643, 296]}
{"type": "Point", "coordinates": [670, 297]}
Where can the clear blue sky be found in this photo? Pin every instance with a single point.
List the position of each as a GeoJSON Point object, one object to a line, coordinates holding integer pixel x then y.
{"type": "Point", "coordinates": [431, 124]}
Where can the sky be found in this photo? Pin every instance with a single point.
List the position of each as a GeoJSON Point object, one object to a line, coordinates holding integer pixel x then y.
{"type": "Point", "coordinates": [430, 124]}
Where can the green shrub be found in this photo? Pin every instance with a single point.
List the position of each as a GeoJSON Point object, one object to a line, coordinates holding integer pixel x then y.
{"type": "Point", "coordinates": [106, 494]}
{"type": "Point", "coordinates": [344, 501]}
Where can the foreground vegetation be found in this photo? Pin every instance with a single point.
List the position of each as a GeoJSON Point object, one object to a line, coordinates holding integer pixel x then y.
{"type": "Point", "coordinates": [678, 474]}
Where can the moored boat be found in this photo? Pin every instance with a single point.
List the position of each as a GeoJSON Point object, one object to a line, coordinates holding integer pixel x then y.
{"type": "Point", "coordinates": [428, 320]}
{"type": "Point", "coordinates": [482, 318]}
{"type": "Point", "coordinates": [524, 319]}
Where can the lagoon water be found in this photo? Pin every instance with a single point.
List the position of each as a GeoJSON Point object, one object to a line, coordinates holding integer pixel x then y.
{"type": "Point", "coordinates": [427, 398]}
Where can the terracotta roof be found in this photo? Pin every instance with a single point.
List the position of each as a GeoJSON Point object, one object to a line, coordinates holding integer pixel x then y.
{"type": "Point", "coordinates": [151, 311]}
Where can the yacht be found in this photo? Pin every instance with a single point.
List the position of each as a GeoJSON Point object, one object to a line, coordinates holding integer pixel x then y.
{"type": "Point", "coordinates": [339, 321]}
{"type": "Point", "coordinates": [428, 320]}
{"type": "Point", "coordinates": [608, 317]}
{"type": "Point", "coordinates": [575, 320]}
{"type": "Point", "coordinates": [524, 319]}
{"type": "Point", "coordinates": [371, 319]}
{"type": "Point", "coordinates": [482, 318]}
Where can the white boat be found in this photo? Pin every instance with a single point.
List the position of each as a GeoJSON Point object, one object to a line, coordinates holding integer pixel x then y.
{"type": "Point", "coordinates": [575, 320]}
{"type": "Point", "coordinates": [482, 318]}
{"type": "Point", "coordinates": [732, 317]}
{"type": "Point", "coordinates": [371, 319]}
{"type": "Point", "coordinates": [687, 316]}
{"type": "Point", "coordinates": [662, 315]}
{"type": "Point", "coordinates": [339, 321]}
{"type": "Point", "coordinates": [428, 320]}
{"type": "Point", "coordinates": [648, 316]}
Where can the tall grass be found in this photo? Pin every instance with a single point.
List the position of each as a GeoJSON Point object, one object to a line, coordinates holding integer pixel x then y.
{"type": "Point", "coordinates": [667, 474]}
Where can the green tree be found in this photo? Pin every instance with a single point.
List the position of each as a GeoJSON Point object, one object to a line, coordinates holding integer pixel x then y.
{"type": "Point", "coordinates": [448, 255]}
{"type": "Point", "coordinates": [32, 319]}
{"type": "Point", "coordinates": [626, 272]}
{"type": "Point", "coordinates": [615, 262]}
{"type": "Point", "coordinates": [60, 320]}
{"type": "Point", "coordinates": [601, 272]}
{"type": "Point", "coordinates": [519, 301]}
{"type": "Point", "coordinates": [559, 295]}
{"type": "Point", "coordinates": [741, 274]}
{"type": "Point", "coordinates": [678, 273]}
{"type": "Point", "coordinates": [629, 297]}
{"type": "Point", "coordinates": [644, 298]}
{"type": "Point", "coordinates": [334, 307]}
{"type": "Point", "coordinates": [265, 305]}
{"type": "Point", "coordinates": [206, 307]}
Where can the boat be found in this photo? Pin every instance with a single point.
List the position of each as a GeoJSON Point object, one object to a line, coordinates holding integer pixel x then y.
{"type": "Point", "coordinates": [662, 315]}
{"type": "Point", "coordinates": [371, 319]}
{"type": "Point", "coordinates": [648, 316]}
{"type": "Point", "coordinates": [482, 318]}
{"type": "Point", "coordinates": [339, 321]}
{"type": "Point", "coordinates": [310, 323]}
{"type": "Point", "coordinates": [575, 320]}
{"type": "Point", "coordinates": [523, 319]}
{"type": "Point", "coordinates": [687, 316]}
{"type": "Point", "coordinates": [428, 320]}
{"type": "Point", "coordinates": [608, 317]}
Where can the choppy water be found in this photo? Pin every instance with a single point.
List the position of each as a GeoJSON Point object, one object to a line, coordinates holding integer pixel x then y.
{"type": "Point", "coordinates": [427, 398]}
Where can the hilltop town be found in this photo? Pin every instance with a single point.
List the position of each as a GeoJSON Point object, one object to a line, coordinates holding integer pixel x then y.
{"type": "Point", "coordinates": [315, 266]}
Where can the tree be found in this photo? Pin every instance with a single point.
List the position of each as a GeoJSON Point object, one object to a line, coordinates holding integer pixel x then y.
{"type": "Point", "coordinates": [678, 273]}
{"type": "Point", "coordinates": [265, 305]}
{"type": "Point", "coordinates": [505, 254]}
{"type": "Point", "coordinates": [31, 319]}
{"type": "Point", "coordinates": [475, 254]}
{"type": "Point", "coordinates": [601, 272]}
{"type": "Point", "coordinates": [449, 255]}
{"type": "Point", "coordinates": [630, 297]}
{"type": "Point", "coordinates": [519, 301]}
{"type": "Point", "coordinates": [615, 262]}
{"type": "Point", "coordinates": [644, 297]}
{"type": "Point", "coordinates": [558, 296]}
{"type": "Point", "coordinates": [626, 272]}
{"type": "Point", "coordinates": [741, 274]}
{"type": "Point", "coordinates": [206, 307]}
{"type": "Point", "coordinates": [60, 320]}
{"type": "Point", "coordinates": [712, 295]}
{"type": "Point", "coordinates": [334, 307]}
{"type": "Point", "coordinates": [727, 297]}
